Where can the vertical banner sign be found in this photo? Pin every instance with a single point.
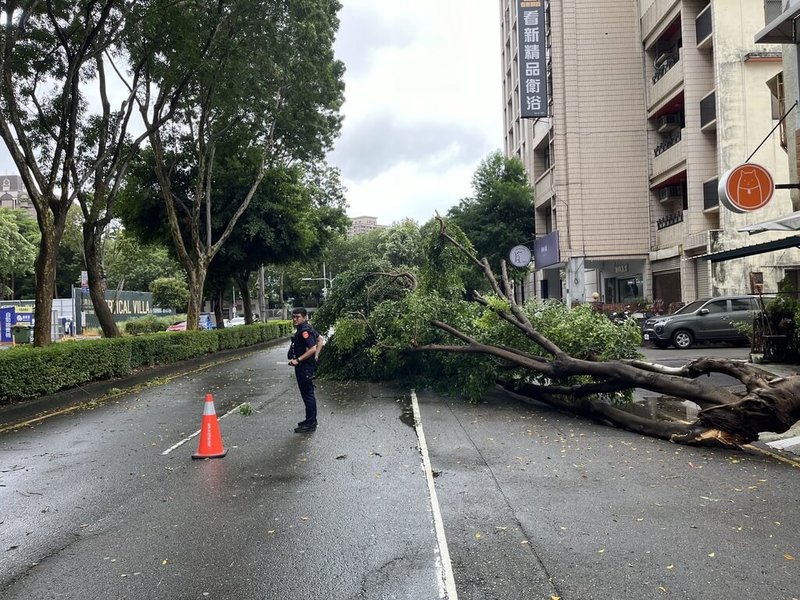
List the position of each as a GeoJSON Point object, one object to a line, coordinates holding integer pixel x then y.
{"type": "Point", "coordinates": [532, 59]}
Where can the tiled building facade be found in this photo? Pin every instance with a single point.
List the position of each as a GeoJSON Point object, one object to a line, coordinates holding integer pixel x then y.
{"type": "Point", "coordinates": [651, 102]}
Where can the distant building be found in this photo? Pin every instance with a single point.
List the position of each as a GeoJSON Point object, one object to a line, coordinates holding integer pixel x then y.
{"type": "Point", "coordinates": [14, 195]}
{"type": "Point", "coordinates": [359, 225]}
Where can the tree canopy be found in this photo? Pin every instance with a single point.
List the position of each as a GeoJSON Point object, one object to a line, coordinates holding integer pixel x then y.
{"type": "Point", "coordinates": [499, 215]}
{"type": "Point", "coordinates": [257, 83]}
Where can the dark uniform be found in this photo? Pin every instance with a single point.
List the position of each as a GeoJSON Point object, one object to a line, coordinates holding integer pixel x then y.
{"type": "Point", "coordinates": [304, 338]}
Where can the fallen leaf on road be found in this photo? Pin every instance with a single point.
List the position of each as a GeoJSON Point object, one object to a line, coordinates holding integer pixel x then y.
{"type": "Point", "coordinates": [788, 557]}
{"type": "Point", "coordinates": [478, 535]}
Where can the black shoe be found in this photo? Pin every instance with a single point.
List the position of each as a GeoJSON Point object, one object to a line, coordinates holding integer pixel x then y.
{"type": "Point", "coordinates": [305, 428]}
{"type": "Point", "coordinates": [307, 424]}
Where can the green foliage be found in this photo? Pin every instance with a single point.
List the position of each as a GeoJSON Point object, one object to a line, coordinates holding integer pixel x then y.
{"type": "Point", "coordinates": [584, 333]}
{"type": "Point", "coordinates": [169, 292]}
{"type": "Point", "coordinates": [782, 313]}
{"type": "Point", "coordinates": [148, 324]}
{"type": "Point", "coordinates": [359, 290]}
{"type": "Point", "coordinates": [500, 215]}
{"type": "Point", "coordinates": [137, 265]}
{"type": "Point", "coordinates": [18, 246]}
{"type": "Point", "coordinates": [445, 269]}
{"type": "Point", "coordinates": [382, 346]}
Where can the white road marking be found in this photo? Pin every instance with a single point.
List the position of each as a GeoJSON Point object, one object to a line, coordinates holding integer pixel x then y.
{"type": "Point", "coordinates": [449, 591]}
{"type": "Point", "coordinates": [783, 444]}
{"type": "Point", "coordinates": [196, 433]}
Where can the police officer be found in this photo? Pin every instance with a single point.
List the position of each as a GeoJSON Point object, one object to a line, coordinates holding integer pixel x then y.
{"type": "Point", "coordinates": [303, 357]}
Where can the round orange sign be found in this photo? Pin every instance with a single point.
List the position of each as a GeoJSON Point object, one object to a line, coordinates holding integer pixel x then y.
{"type": "Point", "coordinates": [746, 188]}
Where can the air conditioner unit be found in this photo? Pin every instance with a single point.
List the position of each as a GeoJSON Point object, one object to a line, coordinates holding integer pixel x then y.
{"type": "Point", "coordinates": [668, 122]}
{"type": "Point", "coordinates": [662, 58]}
{"type": "Point", "coordinates": [671, 192]}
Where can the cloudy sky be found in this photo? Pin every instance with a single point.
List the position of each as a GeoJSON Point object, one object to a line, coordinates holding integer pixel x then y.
{"type": "Point", "coordinates": [423, 104]}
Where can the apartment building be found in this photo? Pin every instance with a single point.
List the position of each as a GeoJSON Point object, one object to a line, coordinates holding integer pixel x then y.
{"type": "Point", "coordinates": [359, 225]}
{"type": "Point", "coordinates": [651, 103]}
{"type": "Point", "coordinates": [14, 195]}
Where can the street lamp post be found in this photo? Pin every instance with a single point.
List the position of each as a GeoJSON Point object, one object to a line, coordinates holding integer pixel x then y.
{"type": "Point", "coordinates": [326, 283]}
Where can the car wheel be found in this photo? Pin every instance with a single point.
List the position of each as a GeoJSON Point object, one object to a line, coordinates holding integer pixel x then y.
{"type": "Point", "coordinates": [682, 339]}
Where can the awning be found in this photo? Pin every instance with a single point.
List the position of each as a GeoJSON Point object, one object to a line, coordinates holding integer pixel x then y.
{"type": "Point", "coordinates": [783, 30]}
{"type": "Point", "coordinates": [788, 223]}
{"type": "Point", "coordinates": [788, 242]}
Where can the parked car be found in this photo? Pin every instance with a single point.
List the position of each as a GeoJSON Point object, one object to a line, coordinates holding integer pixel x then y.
{"type": "Point", "coordinates": [177, 327]}
{"type": "Point", "coordinates": [235, 321]}
{"type": "Point", "coordinates": [706, 320]}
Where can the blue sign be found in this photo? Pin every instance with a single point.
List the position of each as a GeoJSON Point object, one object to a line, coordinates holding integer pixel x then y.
{"type": "Point", "coordinates": [545, 250]}
{"type": "Point", "coordinates": [532, 59]}
{"type": "Point", "coordinates": [7, 319]}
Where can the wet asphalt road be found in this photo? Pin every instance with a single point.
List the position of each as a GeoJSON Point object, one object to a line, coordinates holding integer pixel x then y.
{"type": "Point", "coordinates": [535, 504]}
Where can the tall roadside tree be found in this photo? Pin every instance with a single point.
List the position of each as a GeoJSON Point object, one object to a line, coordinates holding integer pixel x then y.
{"type": "Point", "coordinates": [293, 217]}
{"type": "Point", "coordinates": [500, 214]}
{"type": "Point", "coordinates": [263, 84]}
{"type": "Point", "coordinates": [61, 63]}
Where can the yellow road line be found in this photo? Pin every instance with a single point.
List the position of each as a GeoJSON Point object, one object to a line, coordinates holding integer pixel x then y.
{"type": "Point", "coordinates": [776, 456]}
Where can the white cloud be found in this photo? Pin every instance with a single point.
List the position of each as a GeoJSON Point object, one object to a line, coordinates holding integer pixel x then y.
{"type": "Point", "coordinates": [422, 103]}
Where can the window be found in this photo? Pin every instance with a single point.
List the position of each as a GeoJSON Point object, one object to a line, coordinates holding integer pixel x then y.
{"type": "Point", "coordinates": [718, 306]}
{"type": "Point", "coordinates": [741, 304]}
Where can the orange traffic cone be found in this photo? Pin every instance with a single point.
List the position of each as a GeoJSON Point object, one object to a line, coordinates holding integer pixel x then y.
{"type": "Point", "coordinates": [210, 445]}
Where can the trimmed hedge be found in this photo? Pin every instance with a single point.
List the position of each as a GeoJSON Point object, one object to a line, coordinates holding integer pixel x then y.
{"type": "Point", "coordinates": [27, 372]}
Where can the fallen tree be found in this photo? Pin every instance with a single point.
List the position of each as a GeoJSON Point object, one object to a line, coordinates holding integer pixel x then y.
{"type": "Point", "coordinates": [726, 417]}
{"type": "Point", "coordinates": [414, 324]}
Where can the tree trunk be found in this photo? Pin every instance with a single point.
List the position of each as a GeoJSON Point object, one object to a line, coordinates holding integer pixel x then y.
{"type": "Point", "coordinates": [45, 270]}
{"type": "Point", "coordinates": [727, 418]}
{"type": "Point", "coordinates": [51, 224]}
{"type": "Point", "coordinates": [219, 302]}
{"type": "Point", "coordinates": [197, 278]}
{"type": "Point", "coordinates": [91, 245]}
{"type": "Point", "coordinates": [243, 283]}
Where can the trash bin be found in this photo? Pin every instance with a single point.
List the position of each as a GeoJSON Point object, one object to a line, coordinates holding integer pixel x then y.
{"type": "Point", "coordinates": [21, 333]}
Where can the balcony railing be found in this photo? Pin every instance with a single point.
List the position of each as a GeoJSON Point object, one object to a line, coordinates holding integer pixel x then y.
{"type": "Point", "coordinates": [668, 156]}
{"type": "Point", "coordinates": [669, 220]}
{"type": "Point", "coordinates": [666, 81]}
{"type": "Point", "coordinates": [667, 143]}
{"type": "Point", "coordinates": [665, 66]}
